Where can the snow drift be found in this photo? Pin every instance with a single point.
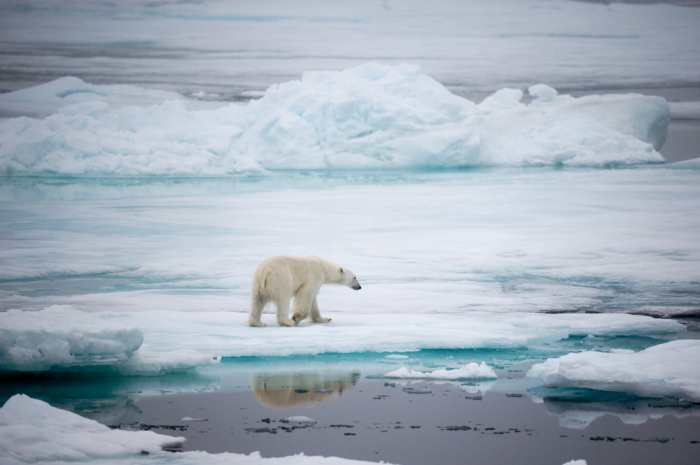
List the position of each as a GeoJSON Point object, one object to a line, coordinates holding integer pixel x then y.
{"type": "Point", "coordinates": [668, 369]}
{"type": "Point", "coordinates": [372, 116]}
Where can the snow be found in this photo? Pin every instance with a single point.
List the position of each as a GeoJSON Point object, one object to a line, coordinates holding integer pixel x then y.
{"type": "Point", "coordinates": [177, 341]}
{"type": "Point", "coordinates": [371, 116]}
{"type": "Point", "coordinates": [668, 369]}
{"type": "Point", "coordinates": [32, 431]}
{"type": "Point", "coordinates": [469, 371]}
{"type": "Point", "coordinates": [63, 336]}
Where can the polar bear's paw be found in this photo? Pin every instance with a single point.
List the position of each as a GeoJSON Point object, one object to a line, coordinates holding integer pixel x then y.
{"type": "Point", "coordinates": [257, 324]}
{"type": "Point", "coordinates": [286, 322]}
{"type": "Point", "coordinates": [322, 320]}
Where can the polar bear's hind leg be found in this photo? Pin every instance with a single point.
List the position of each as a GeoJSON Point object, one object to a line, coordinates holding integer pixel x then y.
{"type": "Point", "coordinates": [257, 305]}
{"type": "Point", "coordinates": [282, 305]}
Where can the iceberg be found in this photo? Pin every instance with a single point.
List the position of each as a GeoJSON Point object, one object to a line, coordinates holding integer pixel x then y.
{"type": "Point", "coordinates": [373, 116]}
{"type": "Point", "coordinates": [63, 336]}
{"type": "Point", "coordinates": [469, 371]}
{"type": "Point", "coordinates": [668, 369]}
{"type": "Point", "coordinates": [32, 431]}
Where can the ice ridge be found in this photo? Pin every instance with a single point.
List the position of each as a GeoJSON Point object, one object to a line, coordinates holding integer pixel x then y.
{"type": "Point", "coordinates": [373, 116]}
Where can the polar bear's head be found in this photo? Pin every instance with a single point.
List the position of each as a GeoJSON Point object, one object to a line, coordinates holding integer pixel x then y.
{"type": "Point", "coordinates": [348, 278]}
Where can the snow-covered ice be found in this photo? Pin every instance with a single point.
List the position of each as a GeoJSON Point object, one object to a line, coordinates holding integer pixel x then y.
{"type": "Point", "coordinates": [176, 341]}
{"type": "Point", "coordinates": [469, 371]}
{"type": "Point", "coordinates": [668, 369]}
{"type": "Point", "coordinates": [370, 117]}
{"type": "Point", "coordinates": [31, 431]}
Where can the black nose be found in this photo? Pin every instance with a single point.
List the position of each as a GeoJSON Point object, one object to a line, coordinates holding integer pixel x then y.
{"type": "Point", "coordinates": [358, 287]}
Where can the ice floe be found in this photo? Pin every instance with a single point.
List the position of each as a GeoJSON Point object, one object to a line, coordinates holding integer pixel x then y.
{"type": "Point", "coordinates": [176, 341]}
{"type": "Point", "coordinates": [371, 116]}
{"type": "Point", "coordinates": [469, 371]}
{"type": "Point", "coordinates": [669, 369]}
{"type": "Point", "coordinates": [32, 431]}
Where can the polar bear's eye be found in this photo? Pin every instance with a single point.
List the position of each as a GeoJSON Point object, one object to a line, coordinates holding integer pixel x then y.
{"type": "Point", "coordinates": [341, 270]}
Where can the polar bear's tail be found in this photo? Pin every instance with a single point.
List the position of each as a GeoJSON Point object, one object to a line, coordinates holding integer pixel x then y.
{"type": "Point", "coordinates": [258, 299]}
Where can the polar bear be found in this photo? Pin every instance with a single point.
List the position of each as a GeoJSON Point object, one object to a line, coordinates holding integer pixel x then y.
{"type": "Point", "coordinates": [280, 278]}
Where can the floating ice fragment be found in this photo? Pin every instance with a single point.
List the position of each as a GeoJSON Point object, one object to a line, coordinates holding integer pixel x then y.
{"type": "Point", "coordinates": [469, 371]}
{"type": "Point", "coordinates": [409, 390]}
{"type": "Point", "coordinates": [668, 369]}
{"type": "Point", "coordinates": [193, 419]}
{"type": "Point", "coordinates": [397, 357]}
{"type": "Point", "coordinates": [299, 419]}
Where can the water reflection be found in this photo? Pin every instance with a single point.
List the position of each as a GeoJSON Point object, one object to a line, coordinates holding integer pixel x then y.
{"type": "Point", "coordinates": [285, 390]}
{"type": "Point", "coordinates": [578, 408]}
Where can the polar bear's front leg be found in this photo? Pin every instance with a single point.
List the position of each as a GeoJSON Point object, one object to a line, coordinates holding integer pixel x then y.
{"type": "Point", "coordinates": [315, 314]}
{"type": "Point", "coordinates": [283, 313]}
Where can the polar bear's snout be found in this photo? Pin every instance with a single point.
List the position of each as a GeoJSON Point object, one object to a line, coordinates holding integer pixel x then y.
{"type": "Point", "coordinates": [356, 284]}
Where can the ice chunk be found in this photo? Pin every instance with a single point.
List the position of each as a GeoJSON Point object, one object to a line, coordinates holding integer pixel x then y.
{"type": "Point", "coordinates": [371, 116]}
{"type": "Point", "coordinates": [32, 431]}
{"type": "Point", "coordinates": [668, 369]}
{"type": "Point", "coordinates": [48, 98]}
{"type": "Point", "coordinates": [469, 371]}
{"type": "Point", "coordinates": [63, 336]}
{"type": "Point", "coordinates": [299, 419]}
{"type": "Point", "coordinates": [543, 92]}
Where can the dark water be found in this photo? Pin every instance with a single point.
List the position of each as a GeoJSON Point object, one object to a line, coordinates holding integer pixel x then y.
{"type": "Point", "coordinates": [377, 420]}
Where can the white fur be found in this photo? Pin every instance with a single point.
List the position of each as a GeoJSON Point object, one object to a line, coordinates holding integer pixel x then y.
{"type": "Point", "coordinates": [280, 278]}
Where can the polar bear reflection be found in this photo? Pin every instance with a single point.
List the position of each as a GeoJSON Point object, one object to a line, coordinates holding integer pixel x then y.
{"type": "Point", "coordinates": [285, 390]}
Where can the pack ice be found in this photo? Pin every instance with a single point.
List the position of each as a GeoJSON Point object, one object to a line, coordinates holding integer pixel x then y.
{"type": "Point", "coordinates": [371, 116]}
{"type": "Point", "coordinates": [669, 369]}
